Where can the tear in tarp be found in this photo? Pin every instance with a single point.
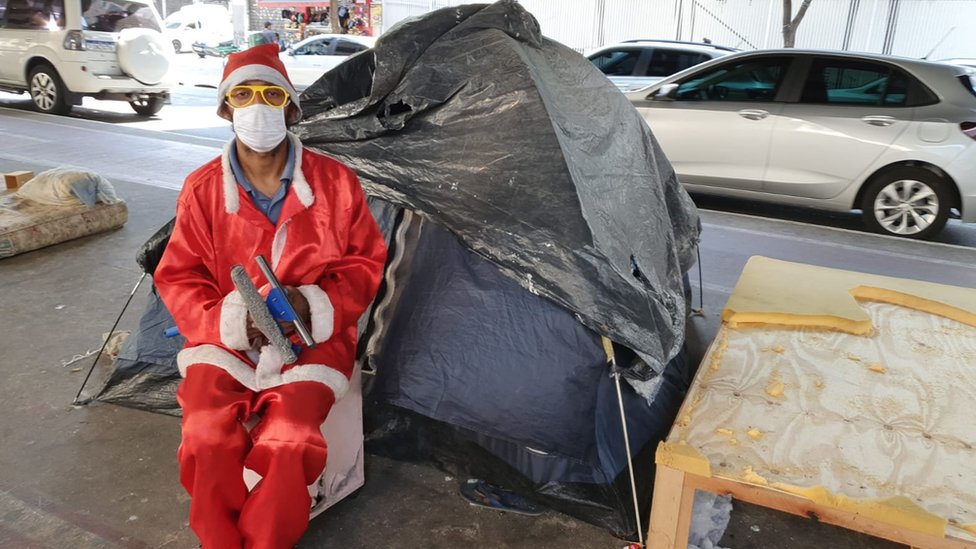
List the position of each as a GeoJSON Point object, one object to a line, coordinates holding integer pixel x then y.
{"type": "Point", "coordinates": [526, 152]}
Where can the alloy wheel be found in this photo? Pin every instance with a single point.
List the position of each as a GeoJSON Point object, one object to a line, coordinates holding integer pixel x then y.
{"type": "Point", "coordinates": [44, 91]}
{"type": "Point", "coordinates": [906, 207]}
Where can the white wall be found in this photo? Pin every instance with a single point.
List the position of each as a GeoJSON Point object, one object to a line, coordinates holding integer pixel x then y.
{"type": "Point", "coordinates": [901, 27]}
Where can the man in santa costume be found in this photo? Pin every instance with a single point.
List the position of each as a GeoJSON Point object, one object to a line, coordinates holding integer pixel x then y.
{"type": "Point", "coordinates": [305, 212]}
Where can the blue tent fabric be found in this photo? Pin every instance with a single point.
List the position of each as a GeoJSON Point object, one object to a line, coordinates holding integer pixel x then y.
{"type": "Point", "coordinates": [480, 376]}
{"type": "Point", "coordinates": [144, 374]}
{"type": "Point", "coordinates": [470, 347]}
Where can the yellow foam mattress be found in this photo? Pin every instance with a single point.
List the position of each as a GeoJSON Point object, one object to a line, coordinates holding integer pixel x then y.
{"type": "Point", "coordinates": [852, 390]}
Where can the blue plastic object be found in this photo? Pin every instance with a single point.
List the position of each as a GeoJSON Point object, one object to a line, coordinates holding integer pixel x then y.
{"type": "Point", "coordinates": [279, 306]}
{"type": "Point", "coordinates": [171, 332]}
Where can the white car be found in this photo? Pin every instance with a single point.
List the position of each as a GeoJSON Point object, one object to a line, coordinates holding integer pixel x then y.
{"type": "Point", "coordinates": [893, 137]}
{"type": "Point", "coordinates": [636, 64]}
{"type": "Point", "coordinates": [309, 59]}
{"type": "Point", "coordinates": [183, 34]}
{"type": "Point", "coordinates": [59, 54]}
{"type": "Point", "coordinates": [965, 62]}
{"type": "Point", "coordinates": [197, 23]}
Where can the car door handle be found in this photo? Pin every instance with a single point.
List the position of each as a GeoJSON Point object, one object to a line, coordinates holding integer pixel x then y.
{"type": "Point", "coordinates": [753, 114]}
{"type": "Point", "coordinates": [878, 120]}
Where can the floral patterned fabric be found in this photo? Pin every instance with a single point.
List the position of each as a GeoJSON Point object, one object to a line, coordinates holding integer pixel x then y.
{"type": "Point", "coordinates": [26, 225]}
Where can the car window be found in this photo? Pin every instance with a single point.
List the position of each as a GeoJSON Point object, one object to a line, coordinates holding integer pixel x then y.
{"type": "Point", "coordinates": [745, 80]}
{"type": "Point", "coordinates": [3, 10]}
{"type": "Point", "coordinates": [344, 47]}
{"type": "Point", "coordinates": [854, 82]}
{"type": "Point", "coordinates": [617, 62]}
{"type": "Point", "coordinates": [34, 14]}
{"type": "Point", "coordinates": [665, 62]}
{"type": "Point", "coordinates": [114, 16]}
{"type": "Point", "coordinates": [968, 81]}
{"type": "Point", "coordinates": [317, 47]}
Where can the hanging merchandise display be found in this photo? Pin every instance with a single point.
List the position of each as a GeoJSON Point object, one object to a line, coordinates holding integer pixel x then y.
{"type": "Point", "coordinates": [304, 18]}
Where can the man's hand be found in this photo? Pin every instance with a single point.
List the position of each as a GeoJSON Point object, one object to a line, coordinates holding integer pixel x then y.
{"type": "Point", "coordinates": [302, 309]}
{"type": "Point", "coordinates": [254, 335]}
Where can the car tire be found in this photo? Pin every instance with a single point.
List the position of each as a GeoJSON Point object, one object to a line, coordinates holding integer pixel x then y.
{"type": "Point", "coordinates": [177, 46]}
{"type": "Point", "coordinates": [908, 202]}
{"type": "Point", "coordinates": [47, 91]}
{"type": "Point", "coordinates": [202, 55]}
{"type": "Point", "coordinates": [148, 106]}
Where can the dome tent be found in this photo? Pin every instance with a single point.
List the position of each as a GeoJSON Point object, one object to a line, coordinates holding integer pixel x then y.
{"type": "Point", "coordinates": [536, 213]}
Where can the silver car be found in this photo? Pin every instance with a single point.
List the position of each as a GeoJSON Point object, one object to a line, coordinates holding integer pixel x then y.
{"type": "Point", "coordinates": [636, 64]}
{"type": "Point", "coordinates": [893, 137]}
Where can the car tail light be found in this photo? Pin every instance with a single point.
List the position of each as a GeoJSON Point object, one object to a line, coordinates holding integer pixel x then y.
{"type": "Point", "coordinates": [968, 128]}
{"type": "Point", "coordinates": [74, 40]}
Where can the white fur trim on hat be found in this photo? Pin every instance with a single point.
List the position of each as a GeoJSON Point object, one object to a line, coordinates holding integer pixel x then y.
{"type": "Point", "coordinates": [257, 71]}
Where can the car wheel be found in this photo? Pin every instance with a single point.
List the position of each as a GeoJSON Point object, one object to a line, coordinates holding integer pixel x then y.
{"type": "Point", "coordinates": [908, 202]}
{"type": "Point", "coordinates": [47, 91]}
{"type": "Point", "coordinates": [202, 55]}
{"type": "Point", "coordinates": [177, 47]}
{"type": "Point", "coordinates": [147, 106]}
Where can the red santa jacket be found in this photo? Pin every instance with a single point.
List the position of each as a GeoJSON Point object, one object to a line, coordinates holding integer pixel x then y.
{"type": "Point", "coordinates": [326, 244]}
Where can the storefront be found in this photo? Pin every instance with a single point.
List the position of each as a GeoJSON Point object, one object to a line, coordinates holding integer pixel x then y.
{"type": "Point", "coordinates": [297, 20]}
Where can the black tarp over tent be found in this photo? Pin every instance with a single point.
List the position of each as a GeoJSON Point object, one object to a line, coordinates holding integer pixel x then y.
{"type": "Point", "coordinates": [522, 148]}
{"type": "Point", "coordinates": [529, 211]}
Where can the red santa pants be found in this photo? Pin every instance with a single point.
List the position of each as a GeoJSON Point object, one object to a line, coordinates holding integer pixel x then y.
{"type": "Point", "coordinates": [286, 448]}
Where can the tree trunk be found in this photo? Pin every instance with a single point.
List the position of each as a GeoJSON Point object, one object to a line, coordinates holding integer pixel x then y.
{"type": "Point", "coordinates": [334, 16]}
{"type": "Point", "coordinates": [791, 23]}
{"type": "Point", "coordinates": [789, 36]}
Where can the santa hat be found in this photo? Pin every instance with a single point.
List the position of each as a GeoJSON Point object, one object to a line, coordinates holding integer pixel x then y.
{"type": "Point", "coordinates": [257, 63]}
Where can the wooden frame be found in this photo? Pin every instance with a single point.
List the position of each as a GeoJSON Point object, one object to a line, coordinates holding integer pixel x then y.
{"type": "Point", "coordinates": [674, 497]}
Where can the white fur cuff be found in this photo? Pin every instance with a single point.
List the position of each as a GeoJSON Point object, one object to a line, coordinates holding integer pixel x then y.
{"type": "Point", "coordinates": [233, 322]}
{"type": "Point", "coordinates": [322, 312]}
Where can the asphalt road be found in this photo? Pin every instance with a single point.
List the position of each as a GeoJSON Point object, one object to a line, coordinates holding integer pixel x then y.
{"type": "Point", "coordinates": [192, 113]}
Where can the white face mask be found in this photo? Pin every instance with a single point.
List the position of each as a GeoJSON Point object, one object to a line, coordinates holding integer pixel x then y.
{"type": "Point", "coordinates": [260, 127]}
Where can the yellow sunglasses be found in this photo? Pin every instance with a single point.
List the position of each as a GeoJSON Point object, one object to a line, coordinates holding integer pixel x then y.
{"type": "Point", "coordinates": [243, 95]}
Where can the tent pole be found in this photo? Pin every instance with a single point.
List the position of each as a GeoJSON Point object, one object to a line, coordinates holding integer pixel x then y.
{"type": "Point", "coordinates": [110, 332]}
{"type": "Point", "coordinates": [608, 349]}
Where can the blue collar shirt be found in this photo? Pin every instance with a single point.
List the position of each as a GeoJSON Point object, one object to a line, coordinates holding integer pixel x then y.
{"type": "Point", "coordinates": [270, 207]}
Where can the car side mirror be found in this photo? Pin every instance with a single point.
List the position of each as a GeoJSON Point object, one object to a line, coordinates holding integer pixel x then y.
{"type": "Point", "coordinates": [667, 92]}
{"type": "Point", "coordinates": [290, 51]}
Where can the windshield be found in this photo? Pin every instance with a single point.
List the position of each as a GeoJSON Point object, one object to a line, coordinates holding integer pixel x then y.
{"type": "Point", "coordinates": [113, 16]}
